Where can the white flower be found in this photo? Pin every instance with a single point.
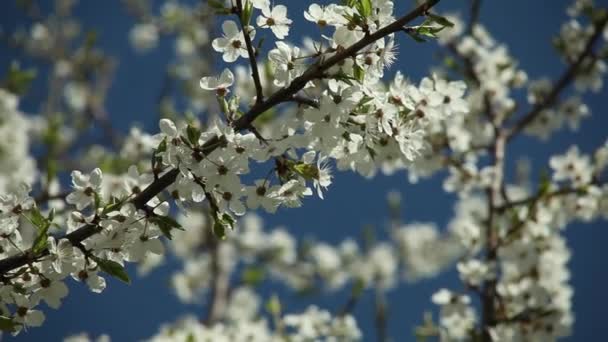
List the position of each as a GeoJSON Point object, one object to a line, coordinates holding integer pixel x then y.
{"type": "Point", "coordinates": [456, 316]}
{"type": "Point", "coordinates": [411, 141]}
{"type": "Point", "coordinates": [452, 93]}
{"type": "Point", "coordinates": [62, 254]}
{"type": "Point", "coordinates": [86, 187]}
{"type": "Point", "coordinates": [144, 36]}
{"type": "Point", "coordinates": [321, 173]}
{"type": "Point", "coordinates": [143, 244]}
{"type": "Point", "coordinates": [92, 278]}
{"type": "Point", "coordinates": [51, 291]}
{"type": "Point", "coordinates": [474, 272]}
{"type": "Point", "coordinates": [219, 84]}
{"type": "Point", "coordinates": [84, 337]}
{"type": "Point", "coordinates": [572, 167]}
{"type": "Point", "coordinates": [574, 110]}
{"type": "Point", "coordinates": [276, 20]}
{"type": "Point", "coordinates": [286, 64]}
{"type": "Point", "coordinates": [25, 314]}
{"type": "Point", "coordinates": [76, 96]}
{"type": "Point", "coordinates": [11, 207]}
{"type": "Point", "coordinates": [232, 43]}
{"type": "Point", "coordinates": [244, 304]}
{"type": "Point", "coordinates": [230, 199]}
{"type": "Point", "coordinates": [262, 195]}
{"type": "Point", "coordinates": [168, 128]}
{"type": "Point", "coordinates": [260, 4]}
{"type": "Point", "coordinates": [290, 194]}
{"type": "Point", "coordinates": [322, 16]}
{"type": "Point", "coordinates": [311, 325]}
{"type": "Point", "coordinates": [423, 251]}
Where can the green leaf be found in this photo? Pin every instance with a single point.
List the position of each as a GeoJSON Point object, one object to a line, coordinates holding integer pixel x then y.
{"type": "Point", "coordinates": [97, 200]}
{"type": "Point", "coordinates": [274, 305]}
{"type": "Point", "coordinates": [166, 231]}
{"type": "Point", "coordinates": [43, 224]}
{"type": "Point", "coordinates": [194, 134]}
{"type": "Point", "coordinates": [165, 224]}
{"type": "Point", "coordinates": [91, 38]}
{"type": "Point", "coordinates": [51, 216]}
{"type": "Point", "coordinates": [228, 220]}
{"type": "Point", "coordinates": [308, 171]}
{"type": "Point", "coordinates": [216, 4]}
{"type": "Point", "coordinates": [365, 8]}
{"type": "Point", "coordinates": [416, 37]}
{"type": "Point", "coordinates": [545, 183]}
{"type": "Point", "coordinates": [114, 269]}
{"type": "Point", "coordinates": [429, 31]}
{"type": "Point", "coordinates": [114, 205]}
{"type": "Point", "coordinates": [219, 230]}
{"type": "Point", "coordinates": [253, 275]}
{"type": "Point", "coordinates": [162, 147]}
{"type": "Point", "coordinates": [17, 80]}
{"type": "Point", "coordinates": [246, 14]}
{"type": "Point", "coordinates": [443, 21]}
{"type": "Point", "coordinates": [358, 287]}
{"type": "Point", "coordinates": [341, 76]}
{"type": "Point", "coordinates": [7, 324]}
{"type": "Point", "coordinates": [359, 73]}
{"type": "Point", "coordinates": [38, 220]}
{"type": "Point", "coordinates": [169, 221]}
{"type": "Point", "coordinates": [41, 242]}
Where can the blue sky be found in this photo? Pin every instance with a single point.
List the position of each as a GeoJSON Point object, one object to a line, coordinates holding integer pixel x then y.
{"type": "Point", "coordinates": [130, 312]}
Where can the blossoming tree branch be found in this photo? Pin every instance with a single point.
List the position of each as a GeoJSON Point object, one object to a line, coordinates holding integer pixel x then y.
{"type": "Point", "coordinates": [264, 132]}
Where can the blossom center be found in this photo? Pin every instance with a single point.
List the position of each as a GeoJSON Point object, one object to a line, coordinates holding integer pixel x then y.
{"type": "Point", "coordinates": [22, 311]}
{"type": "Point", "coordinates": [227, 196]}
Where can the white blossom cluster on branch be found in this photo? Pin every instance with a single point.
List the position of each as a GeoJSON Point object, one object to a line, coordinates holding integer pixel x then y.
{"type": "Point", "coordinates": [264, 132]}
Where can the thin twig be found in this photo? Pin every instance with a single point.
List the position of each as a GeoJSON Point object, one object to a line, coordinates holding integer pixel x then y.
{"type": "Point", "coordinates": [474, 16]}
{"type": "Point", "coordinates": [380, 317]}
{"type": "Point", "coordinates": [255, 72]}
{"type": "Point", "coordinates": [567, 77]}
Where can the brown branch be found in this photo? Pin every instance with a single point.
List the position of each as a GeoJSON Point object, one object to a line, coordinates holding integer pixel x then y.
{"type": "Point", "coordinates": [244, 122]}
{"type": "Point", "coordinates": [380, 317]}
{"type": "Point", "coordinates": [488, 292]}
{"type": "Point", "coordinates": [255, 72]}
{"type": "Point", "coordinates": [474, 16]}
{"type": "Point", "coordinates": [220, 289]}
{"type": "Point", "coordinates": [539, 196]}
{"type": "Point", "coordinates": [317, 70]}
{"type": "Point", "coordinates": [567, 77]}
{"type": "Point", "coordinates": [304, 101]}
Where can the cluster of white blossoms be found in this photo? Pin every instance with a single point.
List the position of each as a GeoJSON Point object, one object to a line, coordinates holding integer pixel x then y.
{"type": "Point", "coordinates": [311, 325]}
{"type": "Point", "coordinates": [350, 120]}
{"type": "Point", "coordinates": [520, 272]}
{"type": "Point", "coordinates": [281, 123]}
{"type": "Point", "coordinates": [117, 236]}
{"type": "Point", "coordinates": [188, 26]}
{"type": "Point", "coordinates": [16, 164]}
{"type": "Point", "coordinates": [253, 255]}
{"type": "Point", "coordinates": [256, 254]}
